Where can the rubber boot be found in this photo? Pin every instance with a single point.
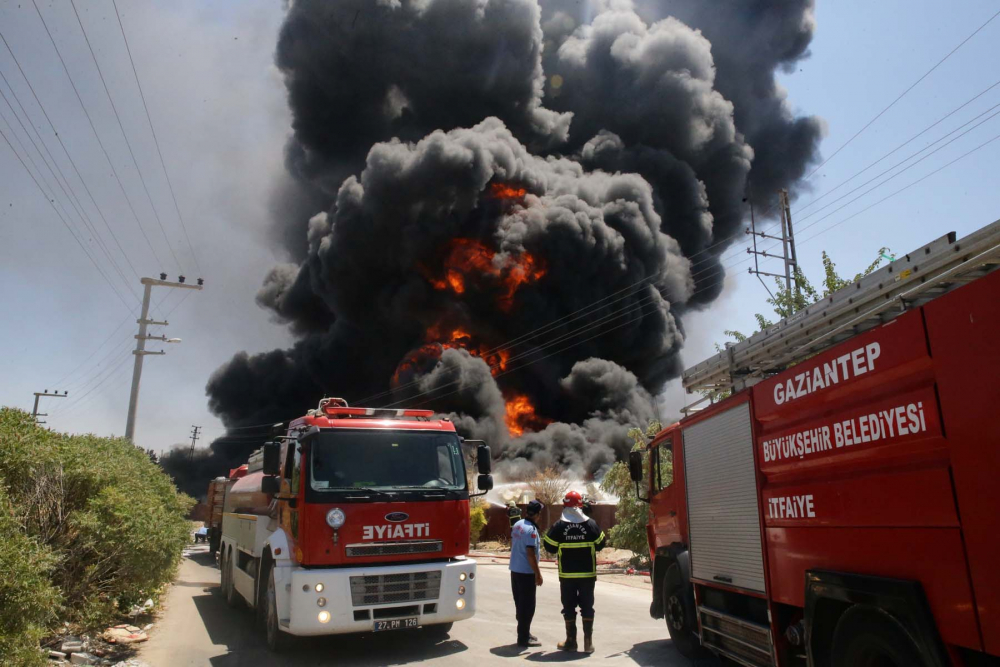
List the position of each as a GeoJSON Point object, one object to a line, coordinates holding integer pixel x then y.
{"type": "Point", "coordinates": [570, 643]}
{"type": "Point", "coordinates": [588, 635]}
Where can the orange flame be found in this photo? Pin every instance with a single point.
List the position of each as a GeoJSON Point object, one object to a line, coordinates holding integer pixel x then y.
{"type": "Point", "coordinates": [504, 191]}
{"type": "Point", "coordinates": [415, 359]}
{"type": "Point", "coordinates": [460, 338]}
{"type": "Point", "coordinates": [521, 416]}
{"type": "Point", "coordinates": [468, 259]}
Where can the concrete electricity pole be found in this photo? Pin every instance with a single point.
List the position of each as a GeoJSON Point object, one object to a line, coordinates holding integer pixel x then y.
{"type": "Point", "coordinates": [39, 394]}
{"type": "Point", "coordinates": [194, 437]}
{"type": "Point", "coordinates": [787, 239]}
{"type": "Point", "coordinates": [141, 337]}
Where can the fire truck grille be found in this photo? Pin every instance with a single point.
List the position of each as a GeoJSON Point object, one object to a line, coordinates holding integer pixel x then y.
{"type": "Point", "coordinates": [395, 588]}
{"type": "Point", "coordinates": [393, 548]}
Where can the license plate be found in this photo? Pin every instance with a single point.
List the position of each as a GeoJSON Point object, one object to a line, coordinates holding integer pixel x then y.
{"type": "Point", "coordinates": [395, 624]}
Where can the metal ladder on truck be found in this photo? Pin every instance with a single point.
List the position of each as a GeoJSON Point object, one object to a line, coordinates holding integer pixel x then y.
{"type": "Point", "coordinates": [906, 283]}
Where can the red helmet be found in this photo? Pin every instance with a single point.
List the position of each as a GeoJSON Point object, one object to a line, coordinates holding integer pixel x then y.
{"type": "Point", "coordinates": [573, 499]}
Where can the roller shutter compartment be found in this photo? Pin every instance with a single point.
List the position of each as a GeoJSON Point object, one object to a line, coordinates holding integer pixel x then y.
{"type": "Point", "coordinates": [723, 515]}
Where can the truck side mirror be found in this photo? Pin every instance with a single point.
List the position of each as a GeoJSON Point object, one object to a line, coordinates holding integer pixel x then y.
{"type": "Point", "coordinates": [635, 472]}
{"type": "Point", "coordinates": [635, 466]}
{"type": "Point", "coordinates": [484, 482]}
{"type": "Point", "coordinates": [270, 485]}
{"type": "Point", "coordinates": [484, 461]}
{"type": "Point", "coordinates": [272, 458]}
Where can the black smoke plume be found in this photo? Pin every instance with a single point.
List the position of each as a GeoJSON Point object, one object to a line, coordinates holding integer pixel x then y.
{"type": "Point", "coordinates": [464, 172]}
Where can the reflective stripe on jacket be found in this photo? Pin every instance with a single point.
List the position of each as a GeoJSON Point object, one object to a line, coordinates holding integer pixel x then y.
{"type": "Point", "coordinates": [576, 546]}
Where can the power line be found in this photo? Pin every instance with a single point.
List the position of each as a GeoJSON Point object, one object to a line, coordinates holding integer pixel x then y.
{"type": "Point", "coordinates": [114, 370]}
{"type": "Point", "coordinates": [52, 158]}
{"type": "Point", "coordinates": [715, 270]}
{"type": "Point", "coordinates": [802, 208]}
{"type": "Point", "coordinates": [92, 127]}
{"type": "Point", "coordinates": [906, 187]}
{"type": "Point", "coordinates": [902, 171]}
{"type": "Point", "coordinates": [87, 382]}
{"type": "Point", "coordinates": [121, 127]}
{"type": "Point", "coordinates": [156, 141]}
{"type": "Point", "coordinates": [65, 223]}
{"type": "Point", "coordinates": [901, 95]}
{"type": "Point", "coordinates": [77, 207]}
{"type": "Point", "coordinates": [96, 350]}
{"type": "Point", "coordinates": [907, 159]}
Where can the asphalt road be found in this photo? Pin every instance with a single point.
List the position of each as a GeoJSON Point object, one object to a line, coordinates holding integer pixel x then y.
{"type": "Point", "coordinates": [197, 628]}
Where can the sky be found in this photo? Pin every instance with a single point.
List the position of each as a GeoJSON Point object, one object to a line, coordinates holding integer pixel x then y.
{"type": "Point", "coordinates": [217, 105]}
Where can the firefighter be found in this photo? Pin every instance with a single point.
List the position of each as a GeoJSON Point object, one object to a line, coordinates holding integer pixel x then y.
{"type": "Point", "coordinates": [525, 573]}
{"type": "Point", "coordinates": [576, 539]}
{"type": "Point", "coordinates": [513, 513]}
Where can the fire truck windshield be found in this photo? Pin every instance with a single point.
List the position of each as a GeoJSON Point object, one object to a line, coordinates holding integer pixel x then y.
{"type": "Point", "coordinates": [379, 459]}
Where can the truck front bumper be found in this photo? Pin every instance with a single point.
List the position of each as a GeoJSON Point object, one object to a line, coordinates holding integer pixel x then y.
{"type": "Point", "coordinates": [353, 599]}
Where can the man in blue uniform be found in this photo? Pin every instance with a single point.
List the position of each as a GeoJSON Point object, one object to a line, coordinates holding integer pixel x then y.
{"type": "Point", "coordinates": [525, 575]}
{"type": "Point", "coordinates": [576, 539]}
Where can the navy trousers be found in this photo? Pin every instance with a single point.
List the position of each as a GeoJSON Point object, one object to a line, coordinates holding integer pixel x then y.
{"type": "Point", "coordinates": [577, 593]}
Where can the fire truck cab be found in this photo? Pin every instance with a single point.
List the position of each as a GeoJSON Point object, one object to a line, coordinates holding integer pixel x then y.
{"type": "Point", "coordinates": [843, 512]}
{"type": "Point", "coordinates": [355, 520]}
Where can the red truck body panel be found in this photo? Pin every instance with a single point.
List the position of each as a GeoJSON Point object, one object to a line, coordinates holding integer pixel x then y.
{"type": "Point", "coordinates": [880, 456]}
{"type": "Point", "coordinates": [445, 520]}
{"type": "Point", "coordinates": [964, 333]}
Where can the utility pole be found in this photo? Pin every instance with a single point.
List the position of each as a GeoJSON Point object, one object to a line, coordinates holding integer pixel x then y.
{"type": "Point", "coordinates": [44, 394]}
{"type": "Point", "coordinates": [787, 255]}
{"type": "Point", "coordinates": [791, 261]}
{"type": "Point", "coordinates": [142, 337]}
{"type": "Point", "coordinates": [194, 437]}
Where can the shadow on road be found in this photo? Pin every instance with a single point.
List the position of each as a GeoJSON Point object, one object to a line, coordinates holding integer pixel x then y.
{"type": "Point", "coordinates": [559, 656]}
{"type": "Point", "coordinates": [236, 630]}
{"type": "Point", "coordinates": [201, 557]}
{"type": "Point", "coordinates": [661, 652]}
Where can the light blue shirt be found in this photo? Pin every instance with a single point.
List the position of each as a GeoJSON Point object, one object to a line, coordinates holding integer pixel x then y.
{"type": "Point", "coordinates": [524, 534]}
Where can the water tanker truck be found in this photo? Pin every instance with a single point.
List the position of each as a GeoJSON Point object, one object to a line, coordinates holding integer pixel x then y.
{"type": "Point", "coordinates": [353, 520]}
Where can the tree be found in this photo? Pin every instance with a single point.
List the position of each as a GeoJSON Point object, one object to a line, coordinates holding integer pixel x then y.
{"type": "Point", "coordinates": [786, 303]}
{"type": "Point", "coordinates": [629, 531]}
{"type": "Point", "coordinates": [477, 520]}
{"type": "Point", "coordinates": [549, 487]}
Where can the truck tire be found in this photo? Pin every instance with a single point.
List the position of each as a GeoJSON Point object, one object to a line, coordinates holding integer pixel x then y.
{"type": "Point", "coordinates": [679, 613]}
{"type": "Point", "coordinates": [277, 640]}
{"type": "Point", "coordinates": [867, 636]}
{"type": "Point", "coordinates": [228, 587]}
{"type": "Point", "coordinates": [214, 538]}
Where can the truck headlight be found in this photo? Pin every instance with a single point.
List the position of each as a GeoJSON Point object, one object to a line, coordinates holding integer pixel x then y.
{"type": "Point", "coordinates": [461, 590]}
{"type": "Point", "coordinates": [461, 577]}
{"type": "Point", "coordinates": [319, 588]}
{"type": "Point", "coordinates": [321, 602]}
{"type": "Point", "coordinates": [335, 518]}
{"type": "Point", "coordinates": [324, 617]}
{"type": "Point", "coordinates": [460, 604]}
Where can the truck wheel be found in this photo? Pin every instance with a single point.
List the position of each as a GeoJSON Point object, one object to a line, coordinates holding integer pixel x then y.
{"type": "Point", "coordinates": [228, 587]}
{"type": "Point", "coordinates": [678, 610]}
{"type": "Point", "coordinates": [276, 639]}
{"type": "Point", "coordinates": [869, 637]}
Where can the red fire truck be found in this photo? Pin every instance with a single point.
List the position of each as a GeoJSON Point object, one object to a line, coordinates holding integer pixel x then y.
{"type": "Point", "coordinates": [840, 507]}
{"type": "Point", "coordinates": [354, 520]}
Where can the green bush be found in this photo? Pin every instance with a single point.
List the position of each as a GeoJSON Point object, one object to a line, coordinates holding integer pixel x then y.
{"type": "Point", "coordinates": [631, 515]}
{"type": "Point", "coordinates": [28, 600]}
{"type": "Point", "coordinates": [477, 521]}
{"type": "Point", "coordinates": [110, 521]}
